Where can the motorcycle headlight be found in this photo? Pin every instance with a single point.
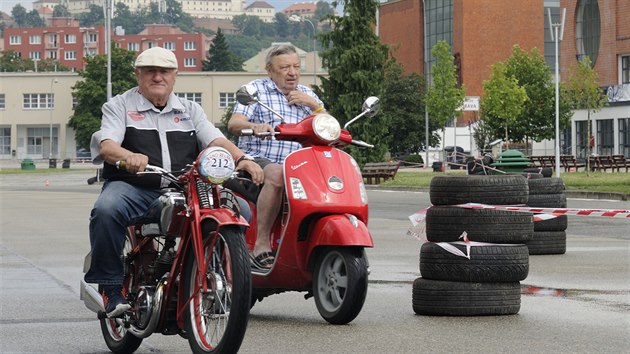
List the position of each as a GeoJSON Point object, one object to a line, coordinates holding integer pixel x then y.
{"type": "Point", "coordinates": [326, 127]}
{"type": "Point", "coordinates": [216, 165]}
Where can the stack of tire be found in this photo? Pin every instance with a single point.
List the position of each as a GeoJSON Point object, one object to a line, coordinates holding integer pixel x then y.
{"type": "Point", "coordinates": [550, 236]}
{"type": "Point", "coordinates": [487, 283]}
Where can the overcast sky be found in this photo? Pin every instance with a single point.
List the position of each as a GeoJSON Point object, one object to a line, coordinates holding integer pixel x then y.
{"type": "Point", "coordinates": [280, 5]}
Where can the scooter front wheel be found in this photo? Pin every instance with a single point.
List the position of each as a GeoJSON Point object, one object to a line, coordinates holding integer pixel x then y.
{"type": "Point", "coordinates": [340, 282]}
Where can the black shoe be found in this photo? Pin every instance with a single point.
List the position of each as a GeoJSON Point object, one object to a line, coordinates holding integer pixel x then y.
{"type": "Point", "coordinates": [115, 302]}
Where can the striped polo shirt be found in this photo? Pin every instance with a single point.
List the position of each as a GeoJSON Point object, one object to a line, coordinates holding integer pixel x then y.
{"type": "Point", "coordinates": [171, 138]}
{"type": "Point", "coordinates": [270, 95]}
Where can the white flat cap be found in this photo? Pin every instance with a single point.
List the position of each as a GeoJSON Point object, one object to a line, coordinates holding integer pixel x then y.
{"type": "Point", "coordinates": [157, 56]}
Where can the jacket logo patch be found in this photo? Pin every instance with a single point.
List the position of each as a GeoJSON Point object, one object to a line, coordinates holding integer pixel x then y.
{"type": "Point", "coordinates": [135, 116]}
{"type": "Point", "coordinates": [178, 119]}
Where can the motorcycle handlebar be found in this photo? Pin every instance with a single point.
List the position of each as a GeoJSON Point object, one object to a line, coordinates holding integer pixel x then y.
{"type": "Point", "coordinates": [250, 132]}
{"type": "Point", "coordinates": [121, 165]}
{"type": "Point", "coordinates": [361, 143]}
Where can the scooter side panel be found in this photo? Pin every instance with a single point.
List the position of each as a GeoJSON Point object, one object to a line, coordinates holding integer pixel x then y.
{"type": "Point", "coordinates": [340, 230]}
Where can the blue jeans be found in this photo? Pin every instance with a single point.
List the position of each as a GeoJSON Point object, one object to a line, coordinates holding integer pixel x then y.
{"type": "Point", "coordinates": [116, 207]}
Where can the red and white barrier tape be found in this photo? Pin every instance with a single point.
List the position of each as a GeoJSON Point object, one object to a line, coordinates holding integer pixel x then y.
{"type": "Point", "coordinates": [611, 213]}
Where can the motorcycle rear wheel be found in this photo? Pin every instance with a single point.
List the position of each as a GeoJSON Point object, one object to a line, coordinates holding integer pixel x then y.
{"type": "Point", "coordinates": [216, 321]}
{"type": "Point", "coordinates": [340, 283]}
{"type": "Point", "coordinates": [117, 338]}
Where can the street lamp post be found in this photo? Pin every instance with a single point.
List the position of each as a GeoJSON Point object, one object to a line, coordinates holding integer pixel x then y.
{"type": "Point", "coordinates": [553, 28]}
{"type": "Point", "coordinates": [295, 18]}
{"type": "Point", "coordinates": [52, 106]}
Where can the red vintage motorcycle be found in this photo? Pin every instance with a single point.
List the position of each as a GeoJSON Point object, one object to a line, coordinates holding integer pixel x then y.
{"type": "Point", "coordinates": [186, 264]}
{"type": "Point", "coordinates": [321, 231]}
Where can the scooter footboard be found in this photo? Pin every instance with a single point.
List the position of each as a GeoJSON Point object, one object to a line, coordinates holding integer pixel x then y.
{"type": "Point", "coordinates": [340, 230]}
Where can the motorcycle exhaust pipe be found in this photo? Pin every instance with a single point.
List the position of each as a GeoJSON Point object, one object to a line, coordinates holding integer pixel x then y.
{"type": "Point", "coordinates": [91, 297]}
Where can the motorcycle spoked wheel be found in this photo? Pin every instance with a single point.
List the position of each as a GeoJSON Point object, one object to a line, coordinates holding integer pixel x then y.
{"type": "Point", "coordinates": [116, 336]}
{"type": "Point", "coordinates": [216, 321]}
{"type": "Point", "coordinates": [340, 283]}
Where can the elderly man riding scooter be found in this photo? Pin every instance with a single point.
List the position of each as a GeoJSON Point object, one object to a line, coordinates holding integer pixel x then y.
{"type": "Point", "coordinates": [283, 93]}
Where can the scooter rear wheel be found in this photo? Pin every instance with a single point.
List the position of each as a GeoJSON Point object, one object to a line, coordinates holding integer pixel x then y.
{"type": "Point", "coordinates": [340, 282]}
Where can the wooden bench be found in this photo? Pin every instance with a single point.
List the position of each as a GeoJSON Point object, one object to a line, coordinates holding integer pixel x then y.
{"type": "Point", "coordinates": [373, 172]}
{"type": "Point", "coordinates": [602, 163]}
{"type": "Point", "coordinates": [543, 161]}
{"type": "Point", "coordinates": [620, 162]}
{"type": "Point", "coordinates": [570, 163]}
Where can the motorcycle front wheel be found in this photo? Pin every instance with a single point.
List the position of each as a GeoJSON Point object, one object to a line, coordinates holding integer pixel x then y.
{"type": "Point", "coordinates": [117, 338]}
{"type": "Point", "coordinates": [340, 282]}
{"type": "Point", "coordinates": [216, 320]}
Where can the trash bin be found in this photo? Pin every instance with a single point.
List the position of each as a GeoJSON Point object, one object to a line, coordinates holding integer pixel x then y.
{"type": "Point", "coordinates": [52, 163]}
{"type": "Point", "coordinates": [438, 166]}
{"type": "Point", "coordinates": [66, 163]}
{"type": "Point", "coordinates": [28, 164]}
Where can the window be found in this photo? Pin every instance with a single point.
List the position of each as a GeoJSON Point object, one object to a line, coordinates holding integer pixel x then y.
{"type": "Point", "coordinates": [92, 38]}
{"type": "Point", "coordinates": [624, 137]}
{"type": "Point", "coordinates": [625, 69]}
{"type": "Point", "coordinates": [38, 101]}
{"type": "Point", "coordinates": [133, 47]}
{"type": "Point", "coordinates": [581, 139]}
{"type": "Point", "coordinates": [38, 141]}
{"type": "Point", "coordinates": [226, 99]}
{"type": "Point", "coordinates": [2, 102]}
{"type": "Point", "coordinates": [605, 136]}
{"type": "Point", "coordinates": [5, 141]}
{"type": "Point", "coordinates": [565, 142]}
{"type": "Point", "coordinates": [190, 45]}
{"type": "Point", "coordinates": [169, 45]}
{"type": "Point", "coordinates": [52, 54]}
{"type": "Point", "coordinates": [439, 15]}
{"type": "Point", "coordinates": [70, 55]}
{"type": "Point", "coordinates": [192, 96]}
{"type": "Point", "coordinates": [190, 62]}
{"type": "Point", "coordinates": [35, 39]}
{"type": "Point", "coordinates": [75, 101]}
{"type": "Point", "coordinates": [15, 40]}
{"type": "Point", "coordinates": [35, 55]}
{"type": "Point", "coordinates": [587, 31]}
{"type": "Point", "coordinates": [70, 38]}
{"type": "Point", "coordinates": [150, 44]}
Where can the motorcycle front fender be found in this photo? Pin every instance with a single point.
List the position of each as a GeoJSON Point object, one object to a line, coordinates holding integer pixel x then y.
{"type": "Point", "coordinates": [340, 230]}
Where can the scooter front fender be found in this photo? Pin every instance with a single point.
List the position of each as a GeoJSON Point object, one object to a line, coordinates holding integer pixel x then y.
{"type": "Point", "coordinates": [340, 230]}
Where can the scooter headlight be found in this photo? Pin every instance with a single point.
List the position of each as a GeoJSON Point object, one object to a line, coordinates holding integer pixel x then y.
{"type": "Point", "coordinates": [216, 165]}
{"type": "Point", "coordinates": [326, 127]}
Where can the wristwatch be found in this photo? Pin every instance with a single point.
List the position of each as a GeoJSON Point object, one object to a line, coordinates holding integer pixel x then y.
{"type": "Point", "coordinates": [244, 157]}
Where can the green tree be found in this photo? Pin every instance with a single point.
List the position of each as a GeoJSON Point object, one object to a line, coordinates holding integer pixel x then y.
{"type": "Point", "coordinates": [10, 61]}
{"type": "Point", "coordinates": [402, 103]}
{"type": "Point", "coordinates": [34, 20]}
{"type": "Point", "coordinates": [502, 102]}
{"type": "Point", "coordinates": [91, 92]}
{"type": "Point", "coordinates": [537, 119]}
{"type": "Point", "coordinates": [356, 61]}
{"type": "Point", "coordinates": [176, 16]}
{"type": "Point", "coordinates": [19, 15]}
{"type": "Point", "coordinates": [93, 17]}
{"type": "Point", "coordinates": [444, 97]}
{"type": "Point", "coordinates": [281, 24]}
{"type": "Point", "coordinates": [582, 90]}
{"type": "Point", "coordinates": [123, 17]}
{"type": "Point", "coordinates": [219, 57]}
{"type": "Point", "coordinates": [61, 11]}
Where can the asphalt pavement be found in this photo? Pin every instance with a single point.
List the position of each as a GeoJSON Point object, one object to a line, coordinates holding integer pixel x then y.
{"type": "Point", "coordinates": [578, 302]}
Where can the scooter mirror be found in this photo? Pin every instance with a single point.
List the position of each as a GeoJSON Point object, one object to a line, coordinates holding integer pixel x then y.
{"type": "Point", "coordinates": [247, 94]}
{"type": "Point", "coordinates": [371, 106]}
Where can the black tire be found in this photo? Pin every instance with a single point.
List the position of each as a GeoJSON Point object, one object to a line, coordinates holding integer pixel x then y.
{"type": "Point", "coordinates": [547, 200]}
{"type": "Point", "coordinates": [551, 185]}
{"type": "Point", "coordinates": [559, 223]}
{"type": "Point", "coordinates": [494, 190]}
{"type": "Point", "coordinates": [449, 298]}
{"type": "Point", "coordinates": [340, 282]}
{"type": "Point", "coordinates": [548, 242]}
{"type": "Point", "coordinates": [117, 338]}
{"type": "Point", "coordinates": [487, 264]}
{"type": "Point", "coordinates": [224, 310]}
{"type": "Point", "coordinates": [545, 171]}
{"type": "Point", "coordinates": [446, 224]}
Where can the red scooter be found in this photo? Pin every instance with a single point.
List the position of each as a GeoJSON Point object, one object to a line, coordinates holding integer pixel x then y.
{"type": "Point", "coordinates": [321, 230]}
